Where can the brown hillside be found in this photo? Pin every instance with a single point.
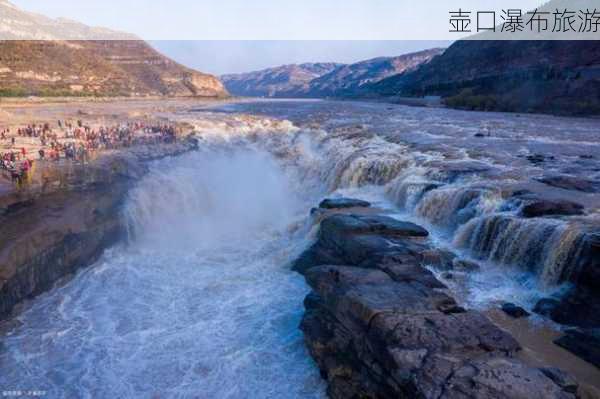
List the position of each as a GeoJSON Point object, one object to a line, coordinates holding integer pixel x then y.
{"type": "Point", "coordinates": [111, 67]}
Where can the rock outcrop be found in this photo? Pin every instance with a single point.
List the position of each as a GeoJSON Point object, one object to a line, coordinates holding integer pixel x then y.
{"type": "Point", "coordinates": [534, 206]}
{"type": "Point", "coordinates": [337, 203]}
{"type": "Point", "coordinates": [380, 325]}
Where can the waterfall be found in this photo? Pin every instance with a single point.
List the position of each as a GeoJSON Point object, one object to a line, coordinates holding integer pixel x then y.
{"type": "Point", "coordinates": [202, 198]}
{"type": "Point", "coordinates": [451, 206]}
{"type": "Point", "coordinates": [548, 248]}
{"type": "Point", "coordinates": [409, 188]}
{"type": "Point", "coordinates": [200, 294]}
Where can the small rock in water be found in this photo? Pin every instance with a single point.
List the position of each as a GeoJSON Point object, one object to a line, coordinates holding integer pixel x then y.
{"type": "Point", "coordinates": [584, 343]}
{"type": "Point", "coordinates": [479, 135]}
{"type": "Point", "coordinates": [335, 203]}
{"type": "Point", "coordinates": [514, 310]}
{"type": "Point", "coordinates": [465, 265]}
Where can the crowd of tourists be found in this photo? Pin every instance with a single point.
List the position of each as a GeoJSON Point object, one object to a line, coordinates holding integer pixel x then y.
{"type": "Point", "coordinates": [73, 141]}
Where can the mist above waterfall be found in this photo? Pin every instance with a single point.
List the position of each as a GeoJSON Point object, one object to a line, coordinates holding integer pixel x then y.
{"type": "Point", "coordinates": [206, 198]}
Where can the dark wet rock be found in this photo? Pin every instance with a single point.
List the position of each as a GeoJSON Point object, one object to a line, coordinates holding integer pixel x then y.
{"type": "Point", "coordinates": [337, 203]}
{"type": "Point", "coordinates": [381, 225]}
{"type": "Point", "coordinates": [514, 311]}
{"type": "Point", "coordinates": [546, 306]}
{"type": "Point", "coordinates": [465, 265]}
{"type": "Point", "coordinates": [571, 183]}
{"type": "Point", "coordinates": [361, 240]}
{"type": "Point", "coordinates": [537, 159]}
{"type": "Point", "coordinates": [374, 337]}
{"type": "Point", "coordinates": [479, 135]}
{"type": "Point", "coordinates": [404, 269]}
{"type": "Point", "coordinates": [543, 207]}
{"type": "Point", "coordinates": [590, 269]}
{"type": "Point", "coordinates": [562, 379]}
{"type": "Point", "coordinates": [584, 343]}
{"type": "Point", "coordinates": [579, 307]}
{"type": "Point", "coordinates": [438, 258]}
{"type": "Point", "coordinates": [380, 325]}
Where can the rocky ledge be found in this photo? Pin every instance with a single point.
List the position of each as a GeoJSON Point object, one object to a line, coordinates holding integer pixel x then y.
{"type": "Point", "coordinates": [65, 219]}
{"type": "Point", "coordinates": [380, 325]}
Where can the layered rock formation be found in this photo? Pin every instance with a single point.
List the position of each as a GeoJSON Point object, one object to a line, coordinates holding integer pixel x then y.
{"type": "Point", "coordinates": [66, 218]}
{"type": "Point", "coordinates": [71, 59]}
{"type": "Point", "coordinates": [380, 325]}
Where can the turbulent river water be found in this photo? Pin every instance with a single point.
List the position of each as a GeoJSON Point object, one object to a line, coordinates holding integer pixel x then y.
{"type": "Point", "coordinates": [199, 301]}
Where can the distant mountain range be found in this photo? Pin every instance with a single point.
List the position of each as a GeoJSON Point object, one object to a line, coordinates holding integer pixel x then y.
{"type": "Point", "coordinates": [322, 79]}
{"type": "Point", "coordinates": [281, 81]}
{"type": "Point", "coordinates": [118, 64]}
{"type": "Point", "coordinates": [560, 77]}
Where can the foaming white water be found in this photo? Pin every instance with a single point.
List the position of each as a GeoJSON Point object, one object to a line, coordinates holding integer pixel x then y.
{"type": "Point", "coordinates": [206, 199]}
{"type": "Point", "coordinates": [201, 303]}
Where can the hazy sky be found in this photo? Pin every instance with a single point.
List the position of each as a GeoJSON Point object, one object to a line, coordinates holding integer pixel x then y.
{"type": "Point", "coordinates": [252, 28]}
{"type": "Point", "coordinates": [232, 56]}
{"type": "Point", "coordinates": [271, 19]}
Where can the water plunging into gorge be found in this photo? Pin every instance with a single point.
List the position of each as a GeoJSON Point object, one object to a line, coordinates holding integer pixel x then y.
{"type": "Point", "coordinates": [199, 301]}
